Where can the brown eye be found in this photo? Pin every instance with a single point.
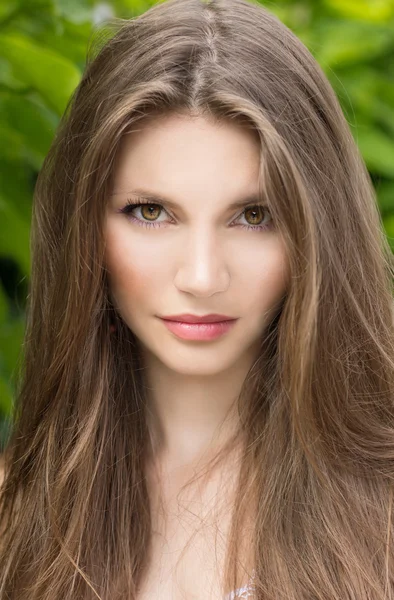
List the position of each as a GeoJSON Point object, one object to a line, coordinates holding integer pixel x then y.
{"type": "Point", "coordinates": [256, 214]}
{"type": "Point", "coordinates": [150, 211]}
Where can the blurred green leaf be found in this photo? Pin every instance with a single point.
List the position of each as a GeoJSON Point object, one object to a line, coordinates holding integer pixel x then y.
{"type": "Point", "coordinates": [364, 89]}
{"type": "Point", "coordinates": [72, 44]}
{"type": "Point", "coordinates": [377, 11]}
{"type": "Point", "coordinates": [133, 7]}
{"type": "Point", "coordinates": [361, 83]}
{"type": "Point", "coordinates": [377, 149]}
{"type": "Point", "coordinates": [11, 146]}
{"type": "Point", "coordinates": [388, 223]}
{"type": "Point", "coordinates": [16, 182]}
{"type": "Point", "coordinates": [8, 79]}
{"type": "Point", "coordinates": [384, 114]}
{"type": "Point", "coordinates": [385, 194]}
{"type": "Point", "coordinates": [3, 305]}
{"type": "Point", "coordinates": [346, 42]}
{"type": "Point", "coordinates": [74, 10]}
{"type": "Point", "coordinates": [7, 9]}
{"type": "Point", "coordinates": [38, 5]}
{"type": "Point", "coordinates": [30, 121]}
{"type": "Point", "coordinates": [386, 88]}
{"type": "Point", "coordinates": [52, 75]}
{"type": "Point", "coordinates": [5, 396]}
{"type": "Point", "coordinates": [31, 16]}
{"type": "Point", "coordinates": [14, 235]}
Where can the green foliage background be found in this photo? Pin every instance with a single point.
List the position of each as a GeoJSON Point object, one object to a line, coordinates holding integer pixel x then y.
{"type": "Point", "coordinates": [43, 46]}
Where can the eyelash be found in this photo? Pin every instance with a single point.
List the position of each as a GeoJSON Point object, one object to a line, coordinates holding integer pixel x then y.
{"type": "Point", "coordinates": [130, 206]}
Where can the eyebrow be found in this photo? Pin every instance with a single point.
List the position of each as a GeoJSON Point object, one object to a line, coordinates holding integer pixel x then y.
{"type": "Point", "coordinates": [156, 199]}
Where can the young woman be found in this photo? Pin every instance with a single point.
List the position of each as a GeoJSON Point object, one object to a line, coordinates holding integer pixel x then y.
{"type": "Point", "coordinates": [204, 166]}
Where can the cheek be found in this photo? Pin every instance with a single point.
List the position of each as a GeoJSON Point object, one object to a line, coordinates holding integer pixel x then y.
{"type": "Point", "coordinates": [131, 274]}
{"type": "Point", "coordinates": [131, 283]}
{"type": "Point", "coordinates": [270, 283]}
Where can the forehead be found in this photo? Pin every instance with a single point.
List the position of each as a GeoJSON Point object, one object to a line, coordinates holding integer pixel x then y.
{"type": "Point", "coordinates": [180, 156]}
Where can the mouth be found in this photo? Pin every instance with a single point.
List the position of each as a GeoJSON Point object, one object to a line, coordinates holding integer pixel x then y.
{"type": "Point", "coordinates": [197, 319]}
{"type": "Point", "coordinates": [199, 331]}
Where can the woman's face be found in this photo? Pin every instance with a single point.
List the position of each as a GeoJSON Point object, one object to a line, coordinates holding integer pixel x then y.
{"type": "Point", "coordinates": [195, 255]}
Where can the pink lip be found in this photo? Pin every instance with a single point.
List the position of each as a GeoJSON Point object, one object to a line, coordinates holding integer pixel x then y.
{"type": "Point", "coordinates": [199, 331]}
{"type": "Point", "coordinates": [189, 318]}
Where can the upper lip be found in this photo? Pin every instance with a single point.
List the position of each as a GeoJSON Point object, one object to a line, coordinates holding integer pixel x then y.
{"type": "Point", "coordinates": [189, 318]}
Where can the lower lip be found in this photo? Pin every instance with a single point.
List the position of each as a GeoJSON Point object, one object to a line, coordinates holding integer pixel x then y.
{"type": "Point", "coordinates": [199, 331]}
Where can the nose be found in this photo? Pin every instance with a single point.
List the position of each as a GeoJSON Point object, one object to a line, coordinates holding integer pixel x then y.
{"type": "Point", "coordinates": [202, 270]}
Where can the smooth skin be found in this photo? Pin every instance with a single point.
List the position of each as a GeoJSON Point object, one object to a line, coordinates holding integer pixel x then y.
{"type": "Point", "coordinates": [195, 261]}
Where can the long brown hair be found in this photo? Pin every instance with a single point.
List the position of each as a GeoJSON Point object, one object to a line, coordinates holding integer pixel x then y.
{"type": "Point", "coordinates": [317, 406]}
